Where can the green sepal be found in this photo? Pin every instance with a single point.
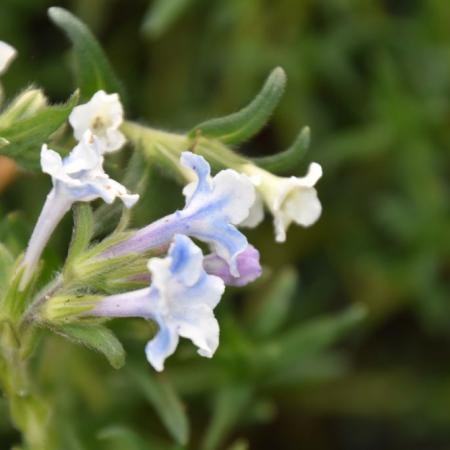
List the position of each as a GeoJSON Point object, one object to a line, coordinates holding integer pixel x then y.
{"type": "Point", "coordinates": [94, 71]}
{"type": "Point", "coordinates": [288, 159]}
{"type": "Point", "coordinates": [96, 337]}
{"type": "Point", "coordinates": [66, 308]}
{"type": "Point", "coordinates": [26, 104]}
{"type": "Point", "coordinates": [27, 135]}
{"type": "Point", "coordinates": [82, 233]}
{"type": "Point", "coordinates": [244, 124]}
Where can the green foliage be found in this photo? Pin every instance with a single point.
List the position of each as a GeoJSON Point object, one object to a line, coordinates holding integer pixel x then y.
{"type": "Point", "coordinates": [27, 133]}
{"type": "Point", "coordinates": [96, 337]}
{"type": "Point", "coordinates": [371, 80]}
{"type": "Point", "coordinates": [93, 69]}
{"type": "Point", "coordinates": [244, 124]}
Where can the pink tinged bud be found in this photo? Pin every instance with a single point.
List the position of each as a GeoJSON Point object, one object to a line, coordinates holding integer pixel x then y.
{"type": "Point", "coordinates": [247, 263]}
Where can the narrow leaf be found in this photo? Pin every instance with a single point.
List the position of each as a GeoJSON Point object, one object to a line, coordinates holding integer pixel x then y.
{"type": "Point", "coordinates": [274, 307]}
{"type": "Point", "coordinates": [94, 71]}
{"type": "Point", "coordinates": [288, 159]}
{"type": "Point", "coordinates": [229, 406]}
{"type": "Point", "coordinates": [314, 337]}
{"type": "Point", "coordinates": [160, 393]}
{"type": "Point", "coordinates": [244, 124]}
{"type": "Point", "coordinates": [26, 136]}
{"type": "Point", "coordinates": [162, 14]}
{"type": "Point", "coordinates": [96, 337]}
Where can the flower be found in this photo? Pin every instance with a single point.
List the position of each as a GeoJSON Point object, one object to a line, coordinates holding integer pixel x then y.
{"type": "Point", "coordinates": [213, 207]}
{"type": "Point", "coordinates": [7, 54]}
{"type": "Point", "coordinates": [77, 178]}
{"type": "Point", "coordinates": [181, 299]}
{"type": "Point", "coordinates": [103, 116]}
{"type": "Point", "coordinates": [289, 200]}
{"type": "Point", "coordinates": [80, 176]}
{"type": "Point", "coordinates": [247, 263]}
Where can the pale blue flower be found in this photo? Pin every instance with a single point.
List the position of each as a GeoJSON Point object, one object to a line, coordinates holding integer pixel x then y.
{"type": "Point", "coordinates": [181, 299]}
{"type": "Point", "coordinates": [213, 207]}
{"type": "Point", "coordinates": [77, 178]}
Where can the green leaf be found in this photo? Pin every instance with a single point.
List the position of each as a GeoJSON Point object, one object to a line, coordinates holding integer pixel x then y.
{"type": "Point", "coordinates": [313, 337]}
{"type": "Point", "coordinates": [82, 231]}
{"type": "Point", "coordinates": [274, 306]}
{"type": "Point", "coordinates": [96, 337]}
{"type": "Point", "coordinates": [94, 71]}
{"type": "Point", "coordinates": [288, 159]}
{"type": "Point", "coordinates": [161, 394]}
{"type": "Point", "coordinates": [229, 406]}
{"type": "Point", "coordinates": [244, 124]}
{"type": "Point", "coordinates": [162, 14]}
{"type": "Point", "coordinates": [27, 135]}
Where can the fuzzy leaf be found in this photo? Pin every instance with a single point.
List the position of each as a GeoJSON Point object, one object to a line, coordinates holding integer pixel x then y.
{"type": "Point", "coordinates": [94, 71]}
{"type": "Point", "coordinates": [96, 337]}
{"type": "Point", "coordinates": [244, 124]}
{"type": "Point", "coordinates": [27, 135]}
{"type": "Point", "coordinates": [160, 393]}
{"type": "Point", "coordinates": [288, 159]}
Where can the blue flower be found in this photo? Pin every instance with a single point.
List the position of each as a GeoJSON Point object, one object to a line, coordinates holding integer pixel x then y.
{"type": "Point", "coordinates": [213, 207]}
{"type": "Point", "coordinates": [180, 299]}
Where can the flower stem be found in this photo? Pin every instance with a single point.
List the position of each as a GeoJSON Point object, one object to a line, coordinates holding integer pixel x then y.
{"type": "Point", "coordinates": [54, 209]}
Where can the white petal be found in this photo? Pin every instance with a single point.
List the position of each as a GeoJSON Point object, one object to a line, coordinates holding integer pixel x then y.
{"type": "Point", "coordinates": [198, 324]}
{"type": "Point", "coordinates": [255, 215]}
{"type": "Point", "coordinates": [7, 54]}
{"type": "Point", "coordinates": [303, 206]}
{"type": "Point", "coordinates": [232, 185]}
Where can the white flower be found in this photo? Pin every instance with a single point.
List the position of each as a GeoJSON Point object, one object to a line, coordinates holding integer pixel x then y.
{"type": "Point", "coordinates": [7, 54]}
{"type": "Point", "coordinates": [181, 299]}
{"type": "Point", "coordinates": [103, 116]}
{"type": "Point", "coordinates": [289, 200]}
{"type": "Point", "coordinates": [80, 176]}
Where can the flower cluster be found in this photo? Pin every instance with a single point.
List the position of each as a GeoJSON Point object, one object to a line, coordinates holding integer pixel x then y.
{"type": "Point", "coordinates": [183, 285]}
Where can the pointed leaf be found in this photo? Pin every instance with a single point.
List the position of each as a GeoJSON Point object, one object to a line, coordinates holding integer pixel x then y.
{"type": "Point", "coordinates": [94, 71]}
{"type": "Point", "coordinates": [96, 337]}
{"type": "Point", "coordinates": [27, 135]}
{"type": "Point", "coordinates": [289, 158]}
{"type": "Point", "coordinates": [160, 393]}
{"type": "Point", "coordinates": [244, 124]}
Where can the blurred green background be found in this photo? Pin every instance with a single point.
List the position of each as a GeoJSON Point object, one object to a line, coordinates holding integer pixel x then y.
{"type": "Point", "coordinates": [296, 368]}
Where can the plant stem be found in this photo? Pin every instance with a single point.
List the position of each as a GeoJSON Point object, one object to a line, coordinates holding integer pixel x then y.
{"type": "Point", "coordinates": [28, 410]}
